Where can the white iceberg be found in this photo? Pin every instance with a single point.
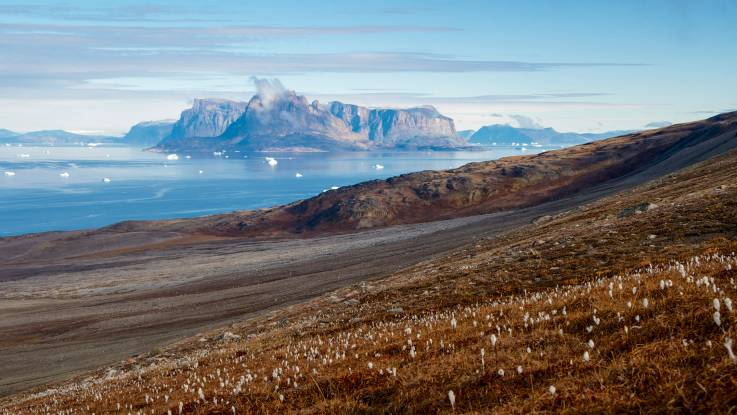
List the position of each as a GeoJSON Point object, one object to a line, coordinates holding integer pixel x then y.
{"type": "Point", "coordinates": [64, 175]}
{"type": "Point", "coordinates": [10, 173]}
{"type": "Point", "coordinates": [335, 188]}
{"type": "Point", "coordinates": [378, 166]}
{"type": "Point", "coordinates": [200, 171]}
{"type": "Point", "coordinates": [172, 157]}
{"type": "Point", "coordinates": [272, 161]}
{"type": "Point", "coordinates": [24, 156]}
{"type": "Point", "coordinates": [298, 175]}
{"type": "Point", "coordinates": [106, 180]}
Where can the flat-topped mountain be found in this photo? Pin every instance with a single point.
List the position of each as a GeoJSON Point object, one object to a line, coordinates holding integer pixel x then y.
{"type": "Point", "coordinates": [206, 119]}
{"type": "Point", "coordinates": [287, 121]}
{"type": "Point", "coordinates": [502, 134]}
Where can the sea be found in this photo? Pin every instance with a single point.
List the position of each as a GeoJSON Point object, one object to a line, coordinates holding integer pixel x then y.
{"type": "Point", "coordinates": [82, 187]}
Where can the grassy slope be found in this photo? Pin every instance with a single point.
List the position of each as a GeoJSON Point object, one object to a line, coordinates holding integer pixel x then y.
{"type": "Point", "coordinates": [672, 360]}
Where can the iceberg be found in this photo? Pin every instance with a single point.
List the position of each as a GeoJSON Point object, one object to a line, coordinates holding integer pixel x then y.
{"type": "Point", "coordinates": [272, 161]}
{"type": "Point", "coordinates": [106, 180]}
{"type": "Point", "coordinates": [298, 175]}
{"type": "Point", "coordinates": [172, 157]}
{"type": "Point", "coordinates": [9, 173]}
{"type": "Point", "coordinates": [64, 175]}
{"type": "Point", "coordinates": [378, 166]}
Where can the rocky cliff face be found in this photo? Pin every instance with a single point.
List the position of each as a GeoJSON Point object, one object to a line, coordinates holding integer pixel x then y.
{"type": "Point", "coordinates": [207, 118]}
{"type": "Point", "coordinates": [287, 121]}
{"type": "Point", "coordinates": [148, 133]}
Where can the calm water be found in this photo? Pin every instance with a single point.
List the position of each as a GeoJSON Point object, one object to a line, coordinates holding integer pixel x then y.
{"type": "Point", "coordinates": [148, 186]}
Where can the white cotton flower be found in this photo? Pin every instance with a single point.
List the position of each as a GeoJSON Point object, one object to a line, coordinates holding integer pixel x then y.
{"type": "Point", "coordinates": [452, 399]}
{"type": "Point", "coordinates": [500, 372]}
{"type": "Point", "coordinates": [492, 338]}
{"type": "Point", "coordinates": [370, 365]}
{"type": "Point", "coordinates": [453, 323]}
{"type": "Point", "coordinates": [519, 370]}
{"type": "Point", "coordinates": [591, 344]}
{"type": "Point", "coordinates": [551, 389]}
{"type": "Point", "coordinates": [645, 302]}
{"type": "Point", "coordinates": [586, 356]}
{"type": "Point", "coordinates": [717, 318]}
{"type": "Point", "coordinates": [728, 304]}
{"type": "Point", "coordinates": [716, 304]}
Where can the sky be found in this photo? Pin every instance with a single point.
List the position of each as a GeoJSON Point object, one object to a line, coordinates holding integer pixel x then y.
{"type": "Point", "coordinates": [100, 67]}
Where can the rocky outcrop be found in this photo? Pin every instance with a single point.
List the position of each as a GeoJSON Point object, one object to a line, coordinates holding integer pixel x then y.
{"type": "Point", "coordinates": [148, 133]}
{"type": "Point", "coordinates": [206, 119]}
{"type": "Point", "coordinates": [287, 121]}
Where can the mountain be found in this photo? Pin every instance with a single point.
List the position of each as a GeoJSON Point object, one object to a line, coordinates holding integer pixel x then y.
{"type": "Point", "coordinates": [465, 134]}
{"type": "Point", "coordinates": [148, 133]}
{"type": "Point", "coordinates": [7, 134]}
{"type": "Point", "coordinates": [479, 188]}
{"type": "Point", "coordinates": [503, 134]}
{"type": "Point", "coordinates": [287, 121]}
{"type": "Point", "coordinates": [208, 118]}
{"type": "Point", "coordinates": [55, 137]}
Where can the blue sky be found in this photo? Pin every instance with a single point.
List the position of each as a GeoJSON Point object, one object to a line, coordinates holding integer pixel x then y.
{"type": "Point", "coordinates": [580, 66]}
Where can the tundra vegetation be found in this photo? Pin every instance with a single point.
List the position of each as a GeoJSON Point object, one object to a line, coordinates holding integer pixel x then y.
{"type": "Point", "coordinates": [603, 308]}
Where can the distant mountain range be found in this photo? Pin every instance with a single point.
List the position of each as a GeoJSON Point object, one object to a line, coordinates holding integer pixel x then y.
{"type": "Point", "coordinates": [53, 137]}
{"type": "Point", "coordinates": [502, 134]}
{"type": "Point", "coordinates": [285, 121]}
{"type": "Point", "coordinates": [288, 122]}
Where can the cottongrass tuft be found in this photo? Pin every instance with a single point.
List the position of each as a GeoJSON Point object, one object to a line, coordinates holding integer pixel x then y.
{"type": "Point", "coordinates": [728, 346]}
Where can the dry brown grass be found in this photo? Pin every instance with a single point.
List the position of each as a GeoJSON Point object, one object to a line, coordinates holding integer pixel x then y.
{"type": "Point", "coordinates": [668, 356]}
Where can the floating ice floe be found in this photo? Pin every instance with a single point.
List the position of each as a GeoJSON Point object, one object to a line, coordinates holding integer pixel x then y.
{"type": "Point", "coordinates": [298, 175]}
{"type": "Point", "coordinates": [272, 161]}
{"type": "Point", "coordinates": [93, 144]}
{"type": "Point", "coordinates": [378, 166]}
{"type": "Point", "coordinates": [24, 156]}
{"type": "Point", "coordinates": [64, 175]}
{"type": "Point", "coordinates": [106, 180]}
{"type": "Point", "coordinates": [200, 171]}
{"type": "Point", "coordinates": [217, 153]}
{"type": "Point", "coordinates": [188, 157]}
{"type": "Point", "coordinates": [10, 173]}
{"type": "Point", "coordinates": [172, 157]}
